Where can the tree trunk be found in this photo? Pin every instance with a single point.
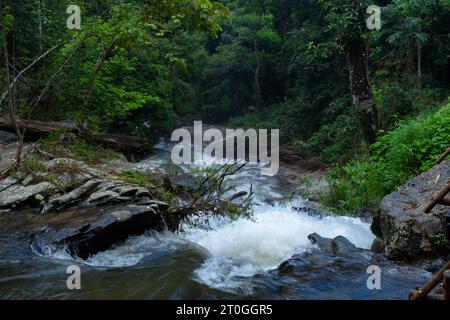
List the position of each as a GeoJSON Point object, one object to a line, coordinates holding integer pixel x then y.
{"type": "Point", "coordinates": [96, 71]}
{"type": "Point", "coordinates": [258, 95]}
{"type": "Point", "coordinates": [363, 102]}
{"type": "Point", "coordinates": [419, 67]}
{"type": "Point", "coordinates": [40, 29]}
{"type": "Point", "coordinates": [37, 129]}
{"type": "Point", "coordinates": [10, 93]}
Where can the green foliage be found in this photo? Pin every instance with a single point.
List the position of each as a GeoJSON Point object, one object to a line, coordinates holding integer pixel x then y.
{"type": "Point", "coordinates": [138, 177]}
{"type": "Point", "coordinates": [150, 181]}
{"type": "Point", "coordinates": [253, 63]}
{"type": "Point", "coordinates": [66, 144]}
{"type": "Point", "coordinates": [440, 239]}
{"type": "Point", "coordinates": [408, 150]}
{"type": "Point", "coordinates": [31, 164]}
{"type": "Point", "coordinates": [215, 182]}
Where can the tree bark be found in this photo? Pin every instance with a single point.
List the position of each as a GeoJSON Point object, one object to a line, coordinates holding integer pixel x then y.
{"type": "Point", "coordinates": [38, 129]}
{"type": "Point", "coordinates": [9, 91]}
{"type": "Point", "coordinates": [22, 72]}
{"type": "Point", "coordinates": [419, 67]}
{"type": "Point", "coordinates": [96, 71]}
{"type": "Point", "coordinates": [363, 102]}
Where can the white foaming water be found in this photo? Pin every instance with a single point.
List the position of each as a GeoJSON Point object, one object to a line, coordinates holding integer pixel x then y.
{"type": "Point", "coordinates": [241, 248]}
{"type": "Point", "coordinates": [129, 253]}
{"type": "Point", "coordinates": [245, 248]}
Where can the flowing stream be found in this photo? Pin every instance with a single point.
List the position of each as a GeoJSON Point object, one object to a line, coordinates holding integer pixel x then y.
{"type": "Point", "coordinates": [232, 260]}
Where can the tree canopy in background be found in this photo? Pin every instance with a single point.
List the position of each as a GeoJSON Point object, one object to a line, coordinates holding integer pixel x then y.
{"type": "Point", "coordinates": [145, 66]}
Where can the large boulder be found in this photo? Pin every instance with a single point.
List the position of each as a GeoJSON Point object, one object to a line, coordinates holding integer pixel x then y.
{"type": "Point", "coordinates": [84, 232]}
{"type": "Point", "coordinates": [409, 233]}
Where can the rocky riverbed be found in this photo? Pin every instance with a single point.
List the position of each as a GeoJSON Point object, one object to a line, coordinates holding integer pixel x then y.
{"type": "Point", "coordinates": [85, 214]}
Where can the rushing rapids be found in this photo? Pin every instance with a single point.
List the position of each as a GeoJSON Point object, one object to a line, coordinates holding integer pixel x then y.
{"type": "Point", "coordinates": [232, 259]}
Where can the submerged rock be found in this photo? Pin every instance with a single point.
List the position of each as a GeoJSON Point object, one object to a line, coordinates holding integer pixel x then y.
{"type": "Point", "coordinates": [409, 233]}
{"type": "Point", "coordinates": [85, 232]}
{"type": "Point", "coordinates": [337, 246]}
{"type": "Point", "coordinates": [338, 253]}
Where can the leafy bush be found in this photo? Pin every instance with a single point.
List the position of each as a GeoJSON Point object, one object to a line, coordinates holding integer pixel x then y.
{"type": "Point", "coordinates": [338, 140]}
{"type": "Point", "coordinates": [397, 156]}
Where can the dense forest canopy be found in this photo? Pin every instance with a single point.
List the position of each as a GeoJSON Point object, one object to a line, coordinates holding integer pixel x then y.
{"type": "Point", "coordinates": [145, 66]}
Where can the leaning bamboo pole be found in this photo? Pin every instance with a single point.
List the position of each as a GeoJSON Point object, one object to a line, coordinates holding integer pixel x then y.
{"type": "Point", "coordinates": [421, 293]}
{"type": "Point", "coordinates": [439, 198]}
{"type": "Point", "coordinates": [443, 156]}
{"type": "Point", "coordinates": [447, 285]}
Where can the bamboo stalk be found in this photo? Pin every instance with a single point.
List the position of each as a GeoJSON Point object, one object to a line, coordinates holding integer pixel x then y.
{"type": "Point", "coordinates": [447, 285]}
{"type": "Point", "coordinates": [443, 156]}
{"type": "Point", "coordinates": [437, 198]}
{"type": "Point", "coordinates": [421, 293]}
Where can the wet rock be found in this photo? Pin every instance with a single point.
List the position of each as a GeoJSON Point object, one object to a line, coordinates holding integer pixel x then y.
{"type": "Point", "coordinates": [74, 167]}
{"type": "Point", "coordinates": [28, 179]}
{"type": "Point", "coordinates": [67, 162]}
{"type": "Point", "coordinates": [155, 203]}
{"type": "Point", "coordinates": [8, 154]}
{"type": "Point", "coordinates": [337, 246]}
{"type": "Point", "coordinates": [7, 138]}
{"type": "Point", "coordinates": [74, 195]}
{"type": "Point", "coordinates": [127, 191]}
{"type": "Point", "coordinates": [329, 254]}
{"type": "Point", "coordinates": [106, 186]}
{"type": "Point", "coordinates": [378, 246]}
{"type": "Point", "coordinates": [71, 180]}
{"type": "Point", "coordinates": [407, 231]}
{"type": "Point", "coordinates": [18, 195]}
{"type": "Point", "coordinates": [85, 232]}
{"type": "Point", "coordinates": [183, 182]}
{"type": "Point", "coordinates": [102, 196]}
{"type": "Point", "coordinates": [142, 192]}
{"type": "Point", "coordinates": [6, 183]}
{"type": "Point", "coordinates": [434, 266]}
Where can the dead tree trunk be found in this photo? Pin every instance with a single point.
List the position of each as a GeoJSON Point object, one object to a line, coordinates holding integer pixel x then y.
{"type": "Point", "coordinates": [361, 90]}
{"type": "Point", "coordinates": [38, 129]}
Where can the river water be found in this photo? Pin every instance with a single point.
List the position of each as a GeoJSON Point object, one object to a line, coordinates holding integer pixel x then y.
{"type": "Point", "coordinates": [232, 260]}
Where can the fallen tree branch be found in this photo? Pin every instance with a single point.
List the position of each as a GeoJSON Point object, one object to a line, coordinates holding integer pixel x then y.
{"type": "Point", "coordinates": [21, 73]}
{"type": "Point", "coordinates": [207, 198]}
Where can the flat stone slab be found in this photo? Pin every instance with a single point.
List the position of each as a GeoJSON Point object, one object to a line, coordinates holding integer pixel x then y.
{"type": "Point", "coordinates": [19, 194]}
